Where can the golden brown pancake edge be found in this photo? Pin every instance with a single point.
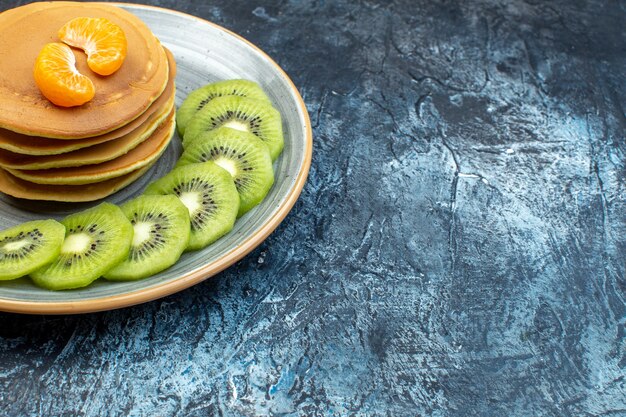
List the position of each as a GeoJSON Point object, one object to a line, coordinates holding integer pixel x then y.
{"type": "Point", "coordinates": [18, 188]}
{"type": "Point", "coordinates": [146, 152]}
{"type": "Point", "coordinates": [90, 155]}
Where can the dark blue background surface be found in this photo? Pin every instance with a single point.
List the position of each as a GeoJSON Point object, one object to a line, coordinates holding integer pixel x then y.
{"type": "Point", "coordinates": [458, 249]}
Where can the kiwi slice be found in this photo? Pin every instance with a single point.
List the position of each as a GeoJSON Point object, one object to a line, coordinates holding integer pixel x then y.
{"type": "Point", "coordinates": [29, 246]}
{"type": "Point", "coordinates": [161, 233]}
{"type": "Point", "coordinates": [243, 155]}
{"type": "Point", "coordinates": [210, 195]}
{"type": "Point", "coordinates": [96, 240]}
{"type": "Point", "coordinates": [240, 113]}
{"type": "Point", "coordinates": [197, 99]}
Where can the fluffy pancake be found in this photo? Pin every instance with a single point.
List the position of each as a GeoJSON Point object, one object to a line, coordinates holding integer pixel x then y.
{"type": "Point", "coordinates": [92, 155]}
{"type": "Point", "coordinates": [20, 143]}
{"type": "Point", "coordinates": [120, 97]}
{"type": "Point", "coordinates": [68, 193]}
{"type": "Point", "coordinates": [142, 155]}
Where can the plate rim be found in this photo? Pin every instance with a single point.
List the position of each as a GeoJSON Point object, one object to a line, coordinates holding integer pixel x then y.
{"type": "Point", "coordinates": [185, 281]}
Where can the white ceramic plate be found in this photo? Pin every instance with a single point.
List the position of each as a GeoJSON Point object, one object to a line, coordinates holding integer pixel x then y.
{"type": "Point", "coordinates": [204, 52]}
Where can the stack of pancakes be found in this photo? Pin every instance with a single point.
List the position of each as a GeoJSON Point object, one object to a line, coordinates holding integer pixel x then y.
{"type": "Point", "coordinates": [88, 152]}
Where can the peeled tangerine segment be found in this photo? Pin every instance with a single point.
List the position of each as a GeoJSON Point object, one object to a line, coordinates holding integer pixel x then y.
{"type": "Point", "coordinates": [243, 155]}
{"type": "Point", "coordinates": [209, 194]}
{"type": "Point", "coordinates": [96, 240]}
{"type": "Point", "coordinates": [240, 113]}
{"type": "Point", "coordinates": [103, 41]}
{"type": "Point", "coordinates": [161, 233]}
{"type": "Point", "coordinates": [29, 246]}
{"type": "Point", "coordinates": [197, 99]}
{"type": "Point", "coordinates": [58, 79]}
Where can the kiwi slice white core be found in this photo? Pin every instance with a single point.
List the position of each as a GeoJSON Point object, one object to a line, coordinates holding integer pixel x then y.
{"type": "Point", "coordinates": [15, 246]}
{"type": "Point", "coordinates": [237, 125]}
{"type": "Point", "coordinates": [228, 165]}
{"type": "Point", "coordinates": [191, 200]}
{"type": "Point", "coordinates": [76, 243]}
{"type": "Point", "coordinates": [142, 233]}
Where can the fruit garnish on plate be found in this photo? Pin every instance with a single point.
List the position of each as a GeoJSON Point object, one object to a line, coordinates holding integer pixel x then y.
{"type": "Point", "coordinates": [246, 158]}
{"type": "Point", "coordinates": [29, 246]}
{"type": "Point", "coordinates": [197, 99]}
{"type": "Point", "coordinates": [55, 71]}
{"type": "Point", "coordinates": [161, 233]}
{"type": "Point", "coordinates": [103, 41]}
{"type": "Point", "coordinates": [58, 79]}
{"type": "Point", "coordinates": [240, 113]}
{"type": "Point", "coordinates": [210, 195]}
{"type": "Point", "coordinates": [96, 240]}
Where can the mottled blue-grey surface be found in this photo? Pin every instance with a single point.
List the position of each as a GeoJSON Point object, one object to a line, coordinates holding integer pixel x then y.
{"type": "Point", "coordinates": [457, 251]}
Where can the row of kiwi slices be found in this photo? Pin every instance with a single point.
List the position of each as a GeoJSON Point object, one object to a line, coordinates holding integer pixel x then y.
{"type": "Point", "coordinates": [231, 136]}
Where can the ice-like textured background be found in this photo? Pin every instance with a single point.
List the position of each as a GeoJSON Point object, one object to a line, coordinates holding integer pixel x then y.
{"type": "Point", "coordinates": [457, 251]}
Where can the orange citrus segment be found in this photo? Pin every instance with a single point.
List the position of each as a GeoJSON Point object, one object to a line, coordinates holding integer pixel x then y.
{"type": "Point", "coordinates": [103, 41]}
{"type": "Point", "coordinates": [58, 79]}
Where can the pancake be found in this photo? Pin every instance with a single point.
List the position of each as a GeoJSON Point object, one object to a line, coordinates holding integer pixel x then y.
{"type": "Point", "coordinates": [147, 152]}
{"type": "Point", "coordinates": [92, 155]}
{"type": "Point", "coordinates": [67, 193]}
{"type": "Point", "coordinates": [36, 145]}
{"type": "Point", "coordinates": [120, 97]}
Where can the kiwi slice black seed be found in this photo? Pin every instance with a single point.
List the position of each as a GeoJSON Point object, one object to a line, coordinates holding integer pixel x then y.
{"type": "Point", "coordinates": [243, 155]}
{"type": "Point", "coordinates": [96, 240]}
{"type": "Point", "coordinates": [240, 113]}
{"type": "Point", "coordinates": [209, 193]}
{"type": "Point", "coordinates": [160, 235]}
{"type": "Point", "coordinates": [197, 99]}
{"type": "Point", "coordinates": [29, 246]}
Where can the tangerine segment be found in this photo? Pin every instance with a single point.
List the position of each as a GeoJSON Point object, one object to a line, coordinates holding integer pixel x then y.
{"type": "Point", "coordinates": [58, 79]}
{"type": "Point", "coordinates": [103, 41]}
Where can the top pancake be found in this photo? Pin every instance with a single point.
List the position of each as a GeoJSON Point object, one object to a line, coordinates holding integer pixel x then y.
{"type": "Point", "coordinates": [19, 143]}
{"type": "Point", "coordinates": [120, 97]}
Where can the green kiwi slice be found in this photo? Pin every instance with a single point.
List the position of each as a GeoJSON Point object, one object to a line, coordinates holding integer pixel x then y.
{"type": "Point", "coordinates": [161, 233]}
{"type": "Point", "coordinates": [209, 193]}
{"type": "Point", "coordinates": [243, 155]}
{"type": "Point", "coordinates": [240, 113]}
{"type": "Point", "coordinates": [96, 240]}
{"type": "Point", "coordinates": [29, 246]}
{"type": "Point", "coordinates": [197, 99]}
